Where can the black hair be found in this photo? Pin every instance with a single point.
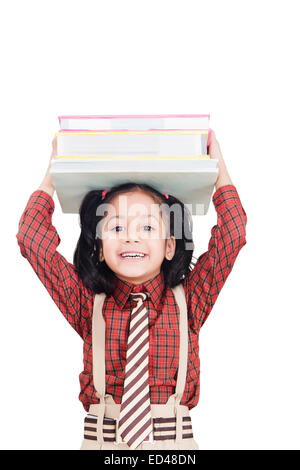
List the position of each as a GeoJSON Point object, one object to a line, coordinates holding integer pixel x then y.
{"type": "Point", "coordinates": [97, 275]}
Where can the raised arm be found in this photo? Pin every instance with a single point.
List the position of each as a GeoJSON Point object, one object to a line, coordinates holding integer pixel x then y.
{"type": "Point", "coordinates": [38, 241]}
{"type": "Point", "coordinates": [212, 268]}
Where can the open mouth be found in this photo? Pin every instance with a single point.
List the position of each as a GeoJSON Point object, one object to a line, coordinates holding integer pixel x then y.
{"type": "Point", "coordinates": [133, 258]}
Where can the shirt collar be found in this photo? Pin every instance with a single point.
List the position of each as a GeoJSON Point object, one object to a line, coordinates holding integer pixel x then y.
{"type": "Point", "coordinates": [154, 287]}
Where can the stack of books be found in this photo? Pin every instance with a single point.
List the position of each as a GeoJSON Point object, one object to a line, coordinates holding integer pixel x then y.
{"type": "Point", "coordinates": [169, 152]}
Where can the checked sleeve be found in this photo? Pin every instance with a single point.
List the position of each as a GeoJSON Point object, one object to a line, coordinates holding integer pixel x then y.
{"type": "Point", "coordinates": [38, 241]}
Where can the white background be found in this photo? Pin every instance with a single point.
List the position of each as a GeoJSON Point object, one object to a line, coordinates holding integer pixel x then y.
{"type": "Point", "coordinates": [237, 61]}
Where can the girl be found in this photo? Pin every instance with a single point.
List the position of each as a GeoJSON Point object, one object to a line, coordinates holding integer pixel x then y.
{"type": "Point", "coordinates": [141, 361]}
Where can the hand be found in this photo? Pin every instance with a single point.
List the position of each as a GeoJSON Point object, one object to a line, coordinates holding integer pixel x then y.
{"type": "Point", "coordinates": [47, 183]}
{"type": "Point", "coordinates": [215, 153]}
{"type": "Point", "coordinates": [54, 148]}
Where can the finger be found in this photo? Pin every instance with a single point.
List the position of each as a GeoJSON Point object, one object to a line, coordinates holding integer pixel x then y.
{"type": "Point", "coordinates": [54, 144]}
{"type": "Point", "coordinates": [212, 143]}
{"type": "Point", "coordinates": [213, 138]}
{"type": "Point", "coordinates": [214, 148]}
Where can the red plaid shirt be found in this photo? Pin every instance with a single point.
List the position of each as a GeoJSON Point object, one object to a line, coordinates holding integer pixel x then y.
{"type": "Point", "coordinates": [38, 241]}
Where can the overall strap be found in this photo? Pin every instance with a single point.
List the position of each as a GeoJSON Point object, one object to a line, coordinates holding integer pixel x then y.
{"type": "Point", "coordinates": [98, 345]}
{"type": "Point", "coordinates": [183, 344]}
{"type": "Point", "coordinates": [183, 357]}
{"type": "Point", "coordinates": [98, 335]}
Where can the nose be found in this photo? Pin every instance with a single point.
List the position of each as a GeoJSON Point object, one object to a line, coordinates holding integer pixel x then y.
{"type": "Point", "coordinates": [131, 236]}
{"type": "Point", "coordinates": [131, 233]}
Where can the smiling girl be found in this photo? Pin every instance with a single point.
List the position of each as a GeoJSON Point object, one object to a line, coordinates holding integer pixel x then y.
{"type": "Point", "coordinates": [141, 374]}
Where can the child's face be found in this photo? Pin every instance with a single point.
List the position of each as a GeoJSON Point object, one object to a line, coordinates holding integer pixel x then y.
{"type": "Point", "coordinates": [133, 222]}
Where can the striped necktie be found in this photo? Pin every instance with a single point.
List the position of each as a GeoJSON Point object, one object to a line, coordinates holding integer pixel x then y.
{"type": "Point", "coordinates": [135, 422]}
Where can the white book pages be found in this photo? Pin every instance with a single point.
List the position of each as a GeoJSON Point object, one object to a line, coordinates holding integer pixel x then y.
{"type": "Point", "coordinates": [133, 164]}
{"type": "Point", "coordinates": [142, 123]}
{"type": "Point", "coordinates": [126, 144]}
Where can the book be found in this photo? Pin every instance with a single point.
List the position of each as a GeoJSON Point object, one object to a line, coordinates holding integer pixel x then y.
{"type": "Point", "coordinates": [160, 143]}
{"type": "Point", "coordinates": [174, 161]}
{"type": "Point", "coordinates": [193, 187]}
{"type": "Point", "coordinates": [135, 122]}
{"type": "Point", "coordinates": [79, 164]}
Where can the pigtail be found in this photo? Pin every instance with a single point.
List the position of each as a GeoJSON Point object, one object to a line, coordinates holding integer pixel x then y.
{"type": "Point", "coordinates": [86, 255]}
{"type": "Point", "coordinates": [178, 268]}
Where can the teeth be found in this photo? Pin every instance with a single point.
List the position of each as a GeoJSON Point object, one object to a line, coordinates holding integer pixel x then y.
{"type": "Point", "coordinates": [133, 256]}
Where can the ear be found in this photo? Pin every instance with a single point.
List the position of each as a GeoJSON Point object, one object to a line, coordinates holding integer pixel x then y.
{"type": "Point", "coordinates": [101, 257]}
{"type": "Point", "coordinates": [170, 247]}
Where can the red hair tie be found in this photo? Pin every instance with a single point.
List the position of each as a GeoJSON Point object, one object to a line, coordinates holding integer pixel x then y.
{"type": "Point", "coordinates": [166, 195]}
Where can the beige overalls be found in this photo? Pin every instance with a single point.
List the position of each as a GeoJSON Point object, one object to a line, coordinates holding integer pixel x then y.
{"type": "Point", "coordinates": [172, 426]}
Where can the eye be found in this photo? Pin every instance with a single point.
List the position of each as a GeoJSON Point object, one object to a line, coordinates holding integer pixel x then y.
{"type": "Point", "coordinates": [151, 228]}
{"type": "Point", "coordinates": [117, 227]}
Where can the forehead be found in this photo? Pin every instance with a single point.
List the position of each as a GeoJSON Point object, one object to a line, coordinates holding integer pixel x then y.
{"type": "Point", "coordinates": [133, 204]}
